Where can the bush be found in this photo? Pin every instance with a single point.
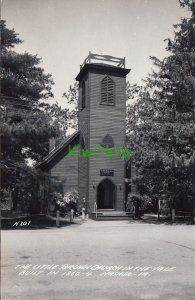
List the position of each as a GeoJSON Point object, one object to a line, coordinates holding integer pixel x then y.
{"type": "Point", "coordinates": [136, 200]}
{"type": "Point", "coordinates": [68, 201]}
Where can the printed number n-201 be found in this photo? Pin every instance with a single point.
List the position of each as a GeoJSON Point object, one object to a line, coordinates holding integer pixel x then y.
{"type": "Point", "coordinates": [21, 223]}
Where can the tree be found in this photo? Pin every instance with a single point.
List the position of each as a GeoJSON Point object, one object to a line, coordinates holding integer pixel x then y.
{"type": "Point", "coordinates": [72, 99]}
{"type": "Point", "coordinates": [21, 75]}
{"type": "Point", "coordinates": [27, 120]}
{"type": "Point", "coordinates": [160, 125]}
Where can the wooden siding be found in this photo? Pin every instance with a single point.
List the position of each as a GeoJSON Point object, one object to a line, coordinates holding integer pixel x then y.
{"type": "Point", "coordinates": [66, 170]}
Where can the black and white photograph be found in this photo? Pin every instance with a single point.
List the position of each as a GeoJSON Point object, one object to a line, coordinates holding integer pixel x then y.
{"type": "Point", "coordinates": [97, 103]}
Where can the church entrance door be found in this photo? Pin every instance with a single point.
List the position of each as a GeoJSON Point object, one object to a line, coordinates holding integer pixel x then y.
{"type": "Point", "coordinates": [105, 194]}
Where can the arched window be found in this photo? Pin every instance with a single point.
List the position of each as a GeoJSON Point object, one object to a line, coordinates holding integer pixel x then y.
{"type": "Point", "coordinates": [82, 142]}
{"type": "Point", "coordinates": [107, 91]}
{"type": "Point", "coordinates": [107, 141]}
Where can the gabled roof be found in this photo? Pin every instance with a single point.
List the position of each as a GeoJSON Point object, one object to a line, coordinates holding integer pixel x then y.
{"type": "Point", "coordinates": [59, 152]}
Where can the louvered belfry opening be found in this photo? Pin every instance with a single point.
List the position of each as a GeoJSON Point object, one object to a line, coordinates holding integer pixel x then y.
{"type": "Point", "coordinates": [107, 91]}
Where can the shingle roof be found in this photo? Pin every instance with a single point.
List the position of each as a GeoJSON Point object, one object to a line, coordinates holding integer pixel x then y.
{"type": "Point", "coordinates": [55, 152]}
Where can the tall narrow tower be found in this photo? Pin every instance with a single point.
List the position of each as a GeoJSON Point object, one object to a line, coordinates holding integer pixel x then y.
{"type": "Point", "coordinates": [101, 121]}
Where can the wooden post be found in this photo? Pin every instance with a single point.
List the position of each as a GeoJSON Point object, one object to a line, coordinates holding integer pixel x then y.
{"type": "Point", "coordinates": [95, 208]}
{"type": "Point", "coordinates": [83, 213]}
{"type": "Point", "coordinates": [158, 210]}
{"type": "Point", "coordinates": [83, 209]}
{"type": "Point", "coordinates": [71, 215]}
{"type": "Point", "coordinates": [133, 211]}
{"type": "Point", "coordinates": [57, 218]}
{"type": "Point", "coordinates": [173, 215]}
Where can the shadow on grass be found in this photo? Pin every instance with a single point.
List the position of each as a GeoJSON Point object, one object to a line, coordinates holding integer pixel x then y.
{"type": "Point", "coordinates": [32, 222]}
{"type": "Point", "coordinates": [151, 219]}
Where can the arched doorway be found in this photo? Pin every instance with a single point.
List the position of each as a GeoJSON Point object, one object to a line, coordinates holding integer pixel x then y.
{"type": "Point", "coordinates": [106, 194]}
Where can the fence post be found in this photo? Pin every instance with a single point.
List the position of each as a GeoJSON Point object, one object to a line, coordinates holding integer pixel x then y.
{"type": "Point", "coordinates": [134, 212]}
{"type": "Point", "coordinates": [71, 215]}
{"type": "Point", "coordinates": [83, 213]}
{"type": "Point", "coordinates": [57, 218]}
{"type": "Point", "coordinates": [173, 215]}
{"type": "Point", "coordinates": [158, 210]}
{"type": "Point", "coordinates": [95, 209]}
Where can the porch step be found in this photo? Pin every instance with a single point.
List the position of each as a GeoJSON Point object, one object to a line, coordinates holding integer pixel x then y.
{"type": "Point", "coordinates": [111, 215]}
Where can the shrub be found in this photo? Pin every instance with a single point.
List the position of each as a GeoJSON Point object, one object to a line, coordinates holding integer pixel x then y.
{"type": "Point", "coordinates": [138, 201]}
{"type": "Point", "coordinates": [68, 201]}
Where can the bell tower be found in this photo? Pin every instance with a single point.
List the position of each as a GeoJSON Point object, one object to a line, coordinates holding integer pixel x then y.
{"type": "Point", "coordinates": [101, 122]}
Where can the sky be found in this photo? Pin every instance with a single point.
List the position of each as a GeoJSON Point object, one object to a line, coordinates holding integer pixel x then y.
{"type": "Point", "coordinates": [62, 32]}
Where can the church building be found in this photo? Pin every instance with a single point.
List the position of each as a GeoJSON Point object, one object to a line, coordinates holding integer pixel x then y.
{"type": "Point", "coordinates": [92, 159]}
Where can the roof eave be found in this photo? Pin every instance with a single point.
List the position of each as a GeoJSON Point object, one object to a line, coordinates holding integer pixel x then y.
{"type": "Point", "coordinates": [102, 67]}
{"type": "Point", "coordinates": [45, 162]}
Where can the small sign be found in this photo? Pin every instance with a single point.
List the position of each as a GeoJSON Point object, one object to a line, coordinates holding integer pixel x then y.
{"type": "Point", "coordinates": [106, 172]}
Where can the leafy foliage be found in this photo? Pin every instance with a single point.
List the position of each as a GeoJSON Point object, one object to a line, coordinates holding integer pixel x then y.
{"type": "Point", "coordinates": [68, 201]}
{"type": "Point", "coordinates": [160, 125]}
{"type": "Point", "coordinates": [72, 99]}
{"type": "Point", "coordinates": [8, 37]}
{"type": "Point", "coordinates": [28, 121]}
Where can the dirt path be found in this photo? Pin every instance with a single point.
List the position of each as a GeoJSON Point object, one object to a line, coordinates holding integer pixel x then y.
{"type": "Point", "coordinates": [110, 260]}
